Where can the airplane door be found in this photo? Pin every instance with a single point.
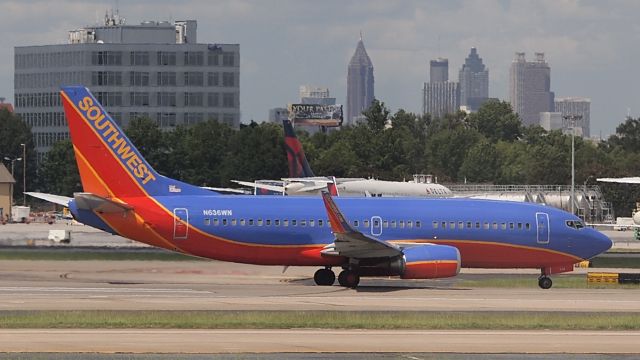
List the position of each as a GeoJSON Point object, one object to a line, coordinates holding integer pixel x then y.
{"type": "Point", "coordinates": [542, 225]}
{"type": "Point", "coordinates": [180, 223]}
{"type": "Point", "coordinates": [376, 225]}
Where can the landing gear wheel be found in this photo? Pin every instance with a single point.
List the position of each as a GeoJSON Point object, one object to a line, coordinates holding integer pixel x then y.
{"type": "Point", "coordinates": [348, 278]}
{"type": "Point", "coordinates": [545, 282]}
{"type": "Point", "coordinates": [324, 277]}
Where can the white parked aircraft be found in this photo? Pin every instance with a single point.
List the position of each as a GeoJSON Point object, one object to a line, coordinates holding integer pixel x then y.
{"type": "Point", "coordinates": [302, 180]}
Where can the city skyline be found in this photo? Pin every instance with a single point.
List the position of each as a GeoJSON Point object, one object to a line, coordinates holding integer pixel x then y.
{"type": "Point", "coordinates": [300, 42]}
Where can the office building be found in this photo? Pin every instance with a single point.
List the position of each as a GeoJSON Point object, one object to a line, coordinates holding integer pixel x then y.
{"type": "Point", "coordinates": [474, 82]}
{"type": "Point", "coordinates": [440, 96]}
{"type": "Point", "coordinates": [360, 83]}
{"type": "Point", "coordinates": [276, 115]}
{"type": "Point", "coordinates": [155, 69]}
{"type": "Point", "coordinates": [529, 88]}
{"type": "Point", "coordinates": [576, 106]}
{"type": "Point", "coordinates": [6, 192]}
{"type": "Point", "coordinates": [315, 95]}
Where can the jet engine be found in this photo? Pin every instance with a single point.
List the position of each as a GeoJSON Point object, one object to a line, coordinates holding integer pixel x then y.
{"type": "Point", "coordinates": [430, 262]}
{"type": "Point", "coordinates": [427, 261]}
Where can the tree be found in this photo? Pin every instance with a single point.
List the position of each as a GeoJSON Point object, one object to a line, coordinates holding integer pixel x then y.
{"type": "Point", "coordinates": [447, 150]}
{"type": "Point", "coordinates": [627, 135]}
{"type": "Point", "coordinates": [496, 121]}
{"type": "Point", "coordinates": [13, 133]}
{"type": "Point", "coordinates": [480, 164]}
{"type": "Point", "coordinates": [59, 172]}
{"type": "Point", "coordinates": [149, 140]}
{"type": "Point", "coordinates": [377, 115]}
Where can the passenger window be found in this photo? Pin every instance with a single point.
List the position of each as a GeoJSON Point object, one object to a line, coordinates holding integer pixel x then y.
{"type": "Point", "coordinates": [410, 224]}
{"type": "Point", "coordinates": [444, 225]}
{"type": "Point", "coordinates": [511, 227]}
{"type": "Point", "coordinates": [293, 222]}
{"type": "Point", "coordinates": [435, 224]}
{"type": "Point", "coordinates": [401, 223]}
{"type": "Point", "coordinates": [366, 223]}
{"type": "Point", "coordinates": [234, 222]}
{"type": "Point", "coordinates": [477, 225]}
{"type": "Point", "coordinates": [452, 225]}
{"type": "Point", "coordinates": [355, 223]}
{"type": "Point", "coordinates": [207, 221]}
{"type": "Point", "coordinates": [468, 224]}
{"type": "Point", "coordinates": [267, 222]}
{"type": "Point", "coordinates": [215, 222]}
{"type": "Point", "coordinates": [250, 222]}
{"type": "Point", "coordinates": [276, 222]}
{"type": "Point", "coordinates": [259, 222]}
{"type": "Point", "coordinates": [319, 222]}
{"type": "Point", "coordinates": [312, 223]}
{"type": "Point", "coordinates": [303, 222]}
{"type": "Point", "coordinates": [393, 224]}
{"type": "Point", "coordinates": [527, 226]}
{"type": "Point", "coordinates": [385, 223]}
{"type": "Point", "coordinates": [285, 222]}
{"type": "Point", "coordinates": [418, 224]}
{"type": "Point", "coordinates": [224, 222]}
{"type": "Point", "coordinates": [495, 226]}
{"type": "Point", "coordinates": [519, 226]}
{"type": "Point", "coordinates": [503, 226]}
{"type": "Point", "coordinates": [460, 225]}
{"type": "Point", "coordinates": [242, 223]}
{"type": "Point", "coordinates": [485, 226]}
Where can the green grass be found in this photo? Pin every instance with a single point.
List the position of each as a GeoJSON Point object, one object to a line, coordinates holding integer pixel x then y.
{"type": "Point", "coordinates": [616, 262]}
{"type": "Point", "coordinates": [318, 320]}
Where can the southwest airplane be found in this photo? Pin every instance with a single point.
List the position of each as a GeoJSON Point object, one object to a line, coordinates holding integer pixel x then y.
{"type": "Point", "coordinates": [302, 180]}
{"type": "Point", "coordinates": [407, 237]}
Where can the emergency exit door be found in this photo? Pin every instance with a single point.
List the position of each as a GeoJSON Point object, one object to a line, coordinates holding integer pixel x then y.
{"type": "Point", "coordinates": [180, 223]}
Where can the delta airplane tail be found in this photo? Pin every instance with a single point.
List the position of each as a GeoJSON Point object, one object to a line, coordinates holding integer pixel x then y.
{"type": "Point", "coordinates": [110, 166]}
{"type": "Point", "coordinates": [298, 164]}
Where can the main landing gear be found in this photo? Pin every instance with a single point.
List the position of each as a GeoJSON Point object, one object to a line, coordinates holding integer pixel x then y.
{"type": "Point", "coordinates": [545, 282]}
{"type": "Point", "coordinates": [326, 277]}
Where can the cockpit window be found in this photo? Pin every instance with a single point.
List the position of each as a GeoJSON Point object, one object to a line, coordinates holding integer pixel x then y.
{"type": "Point", "coordinates": [576, 224]}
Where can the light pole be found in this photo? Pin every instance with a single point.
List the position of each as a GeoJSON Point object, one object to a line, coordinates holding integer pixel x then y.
{"type": "Point", "coordinates": [572, 120]}
{"type": "Point", "coordinates": [24, 174]}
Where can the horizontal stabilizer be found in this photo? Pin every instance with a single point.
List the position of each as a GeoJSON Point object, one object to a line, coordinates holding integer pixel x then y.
{"type": "Point", "coordinates": [56, 199]}
{"type": "Point", "coordinates": [227, 190]}
{"type": "Point", "coordinates": [88, 201]}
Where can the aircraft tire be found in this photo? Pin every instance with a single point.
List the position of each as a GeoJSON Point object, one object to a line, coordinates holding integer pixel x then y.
{"type": "Point", "coordinates": [324, 277]}
{"type": "Point", "coordinates": [545, 282]}
{"type": "Point", "coordinates": [349, 278]}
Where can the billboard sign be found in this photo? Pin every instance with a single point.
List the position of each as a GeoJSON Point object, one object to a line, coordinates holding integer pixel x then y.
{"type": "Point", "coordinates": [315, 115]}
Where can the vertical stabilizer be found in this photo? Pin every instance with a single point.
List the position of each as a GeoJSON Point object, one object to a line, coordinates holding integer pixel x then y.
{"type": "Point", "coordinates": [298, 164]}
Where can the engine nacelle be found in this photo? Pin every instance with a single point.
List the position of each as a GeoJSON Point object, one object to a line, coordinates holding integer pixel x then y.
{"type": "Point", "coordinates": [430, 262]}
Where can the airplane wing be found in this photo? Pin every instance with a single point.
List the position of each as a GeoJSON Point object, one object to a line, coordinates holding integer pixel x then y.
{"type": "Point", "coordinates": [227, 190]}
{"type": "Point", "coordinates": [88, 201]}
{"type": "Point", "coordinates": [623, 180]}
{"type": "Point", "coordinates": [56, 199]}
{"type": "Point", "coordinates": [261, 186]}
{"type": "Point", "coordinates": [324, 180]}
{"type": "Point", "coordinates": [350, 242]}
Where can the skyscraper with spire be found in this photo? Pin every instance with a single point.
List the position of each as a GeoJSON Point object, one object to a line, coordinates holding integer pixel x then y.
{"type": "Point", "coordinates": [474, 82]}
{"type": "Point", "coordinates": [359, 84]}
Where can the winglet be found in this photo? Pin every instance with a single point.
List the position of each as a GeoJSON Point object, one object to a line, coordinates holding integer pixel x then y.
{"type": "Point", "coordinates": [339, 224]}
{"type": "Point", "coordinates": [333, 188]}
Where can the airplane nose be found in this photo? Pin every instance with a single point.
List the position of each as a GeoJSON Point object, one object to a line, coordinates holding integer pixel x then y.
{"type": "Point", "coordinates": [603, 243]}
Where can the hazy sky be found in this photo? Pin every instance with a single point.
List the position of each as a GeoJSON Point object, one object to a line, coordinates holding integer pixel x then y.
{"type": "Point", "coordinates": [591, 46]}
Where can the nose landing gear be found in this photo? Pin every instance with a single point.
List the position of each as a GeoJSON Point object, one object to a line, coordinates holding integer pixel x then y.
{"type": "Point", "coordinates": [544, 282]}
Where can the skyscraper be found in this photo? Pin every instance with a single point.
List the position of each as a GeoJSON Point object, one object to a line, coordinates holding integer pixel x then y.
{"type": "Point", "coordinates": [359, 84]}
{"type": "Point", "coordinates": [474, 82]}
{"type": "Point", "coordinates": [440, 96]}
{"type": "Point", "coordinates": [576, 106]}
{"type": "Point", "coordinates": [155, 69]}
{"type": "Point", "coordinates": [529, 88]}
